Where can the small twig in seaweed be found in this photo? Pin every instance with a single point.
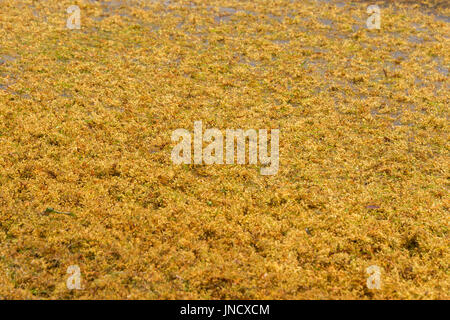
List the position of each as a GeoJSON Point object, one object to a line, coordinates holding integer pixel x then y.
{"type": "Point", "coordinates": [51, 210]}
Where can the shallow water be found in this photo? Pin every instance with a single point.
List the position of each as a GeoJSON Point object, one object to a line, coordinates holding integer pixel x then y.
{"type": "Point", "coordinates": [415, 39]}
{"type": "Point", "coordinates": [6, 58]}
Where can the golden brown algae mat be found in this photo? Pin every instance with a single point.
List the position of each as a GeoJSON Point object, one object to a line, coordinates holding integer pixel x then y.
{"type": "Point", "coordinates": [86, 176]}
